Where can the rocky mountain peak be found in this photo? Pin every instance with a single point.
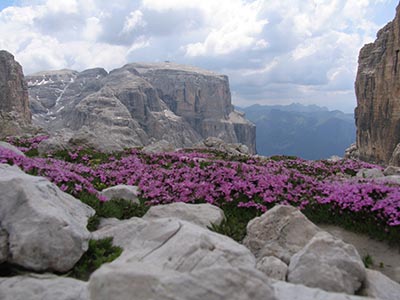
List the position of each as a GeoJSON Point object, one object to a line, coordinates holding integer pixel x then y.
{"type": "Point", "coordinates": [139, 103]}
{"type": "Point", "coordinates": [14, 102]}
{"type": "Point", "coordinates": [378, 95]}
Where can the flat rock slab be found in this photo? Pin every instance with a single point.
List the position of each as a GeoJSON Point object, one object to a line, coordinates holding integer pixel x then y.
{"type": "Point", "coordinates": [45, 227]}
{"type": "Point", "coordinates": [10, 147]}
{"type": "Point", "coordinates": [170, 258]}
{"type": "Point", "coordinates": [329, 264]}
{"type": "Point", "coordinates": [201, 214]}
{"type": "Point", "coordinates": [42, 287]}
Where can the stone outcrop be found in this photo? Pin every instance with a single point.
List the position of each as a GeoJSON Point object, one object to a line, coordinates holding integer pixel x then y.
{"type": "Point", "coordinates": [45, 228]}
{"type": "Point", "coordinates": [15, 115]}
{"type": "Point", "coordinates": [138, 104]}
{"type": "Point", "coordinates": [378, 95]}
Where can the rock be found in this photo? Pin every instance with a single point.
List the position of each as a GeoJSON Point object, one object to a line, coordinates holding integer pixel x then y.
{"type": "Point", "coordinates": [272, 267]}
{"type": "Point", "coordinates": [121, 191]}
{"type": "Point", "coordinates": [377, 285]}
{"type": "Point", "coordinates": [329, 264]}
{"type": "Point", "coordinates": [395, 159]}
{"type": "Point", "coordinates": [15, 116]}
{"type": "Point", "coordinates": [11, 148]}
{"type": "Point", "coordinates": [397, 274]}
{"type": "Point", "coordinates": [289, 291]}
{"type": "Point", "coordinates": [334, 158]}
{"type": "Point", "coordinates": [369, 173]}
{"type": "Point", "coordinates": [138, 281]}
{"type": "Point", "coordinates": [159, 147]}
{"type": "Point", "coordinates": [175, 259]}
{"type": "Point", "coordinates": [203, 215]}
{"type": "Point", "coordinates": [218, 144]}
{"type": "Point", "coordinates": [352, 152]}
{"type": "Point", "coordinates": [391, 179]}
{"type": "Point", "coordinates": [42, 287]}
{"type": "Point", "coordinates": [202, 98]}
{"type": "Point", "coordinates": [136, 104]}
{"type": "Point", "coordinates": [281, 232]}
{"type": "Point", "coordinates": [46, 227]}
{"type": "Point", "coordinates": [391, 170]}
{"type": "Point", "coordinates": [378, 93]}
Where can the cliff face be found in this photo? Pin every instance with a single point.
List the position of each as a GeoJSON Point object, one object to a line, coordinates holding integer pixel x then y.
{"type": "Point", "coordinates": [14, 102]}
{"type": "Point", "coordinates": [137, 104]}
{"type": "Point", "coordinates": [378, 95]}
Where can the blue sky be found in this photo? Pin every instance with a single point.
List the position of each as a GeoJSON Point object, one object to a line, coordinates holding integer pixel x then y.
{"type": "Point", "coordinates": [274, 52]}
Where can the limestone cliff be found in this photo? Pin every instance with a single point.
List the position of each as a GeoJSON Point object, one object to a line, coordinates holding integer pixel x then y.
{"type": "Point", "coordinates": [378, 95]}
{"type": "Point", "coordinates": [137, 104]}
{"type": "Point", "coordinates": [14, 103]}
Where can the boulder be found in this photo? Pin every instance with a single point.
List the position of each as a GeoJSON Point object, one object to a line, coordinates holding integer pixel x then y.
{"type": "Point", "coordinates": [391, 170]}
{"type": "Point", "coordinates": [352, 152]}
{"type": "Point", "coordinates": [127, 280]}
{"type": "Point", "coordinates": [10, 147]}
{"type": "Point", "coordinates": [273, 267]}
{"type": "Point", "coordinates": [45, 227]}
{"type": "Point", "coordinates": [289, 291]}
{"type": "Point", "coordinates": [173, 259]}
{"type": "Point", "coordinates": [42, 287]}
{"type": "Point", "coordinates": [201, 214]}
{"type": "Point", "coordinates": [175, 244]}
{"type": "Point", "coordinates": [121, 191]}
{"type": "Point", "coordinates": [220, 145]}
{"type": "Point", "coordinates": [329, 264]}
{"type": "Point", "coordinates": [377, 285]}
{"type": "Point", "coordinates": [281, 232]}
{"type": "Point", "coordinates": [370, 173]}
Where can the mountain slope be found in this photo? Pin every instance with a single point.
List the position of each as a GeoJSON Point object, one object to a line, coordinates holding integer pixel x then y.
{"type": "Point", "coordinates": [310, 132]}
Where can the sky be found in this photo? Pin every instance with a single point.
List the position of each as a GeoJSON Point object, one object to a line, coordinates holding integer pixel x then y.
{"type": "Point", "coordinates": [274, 51]}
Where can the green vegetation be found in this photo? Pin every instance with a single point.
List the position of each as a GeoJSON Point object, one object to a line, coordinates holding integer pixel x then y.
{"type": "Point", "coordinates": [99, 252]}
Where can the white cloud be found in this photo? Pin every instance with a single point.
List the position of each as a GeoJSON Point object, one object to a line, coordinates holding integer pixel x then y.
{"type": "Point", "coordinates": [283, 50]}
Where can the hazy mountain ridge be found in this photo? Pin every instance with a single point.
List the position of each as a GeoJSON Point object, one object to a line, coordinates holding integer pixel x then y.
{"type": "Point", "coordinates": [310, 132]}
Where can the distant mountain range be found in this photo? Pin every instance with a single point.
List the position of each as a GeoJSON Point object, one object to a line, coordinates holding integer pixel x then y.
{"type": "Point", "coordinates": [310, 132]}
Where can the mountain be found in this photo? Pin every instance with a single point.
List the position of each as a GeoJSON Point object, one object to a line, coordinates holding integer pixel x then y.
{"type": "Point", "coordinates": [310, 132]}
{"type": "Point", "coordinates": [15, 116]}
{"type": "Point", "coordinates": [378, 97]}
{"type": "Point", "coordinates": [136, 105]}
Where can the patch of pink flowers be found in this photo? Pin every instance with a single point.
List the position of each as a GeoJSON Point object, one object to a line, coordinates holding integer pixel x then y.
{"type": "Point", "coordinates": [199, 177]}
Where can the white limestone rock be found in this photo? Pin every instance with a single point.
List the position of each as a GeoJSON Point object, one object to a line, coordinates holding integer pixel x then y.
{"type": "Point", "coordinates": [3, 245]}
{"type": "Point", "coordinates": [273, 267]}
{"type": "Point", "coordinates": [281, 232]}
{"type": "Point", "coordinates": [289, 291]}
{"type": "Point", "coordinates": [42, 287]}
{"type": "Point", "coordinates": [169, 258]}
{"type": "Point", "coordinates": [10, 147]}
{"type": "Point", "coordinates": [121, 191]}
{"type": "Point", "coordinates": [201, 214]}
{"type": "Point", "coordinates": [127, 280]}
{"type": "Point", "coordinates": [327, 263]}
{"type": "Point", "coordinates": [46, 228]}
{"type": "Point", "coordinates": [159, 146]}
{"type": "Point", "coordinates": [391, 170]}
{"type": "Point", "coordinates": [370, 173]}
{"type": "Point", "coordinates": [377, 285]}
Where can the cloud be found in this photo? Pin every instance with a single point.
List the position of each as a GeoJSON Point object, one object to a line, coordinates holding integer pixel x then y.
{"type": "Point", "coordinates": [272, 51]}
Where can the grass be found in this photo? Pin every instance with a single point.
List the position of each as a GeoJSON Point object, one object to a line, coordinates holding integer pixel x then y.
{"type": "Point", "coordinates": [99, 252]}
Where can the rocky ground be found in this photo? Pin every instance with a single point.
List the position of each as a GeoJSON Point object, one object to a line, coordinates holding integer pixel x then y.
{"type": "Point", "coordinates": [165, 249]}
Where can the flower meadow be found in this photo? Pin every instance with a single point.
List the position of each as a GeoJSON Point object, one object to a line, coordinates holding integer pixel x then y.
{"type": "Point", "coordinates": [325, 191]}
